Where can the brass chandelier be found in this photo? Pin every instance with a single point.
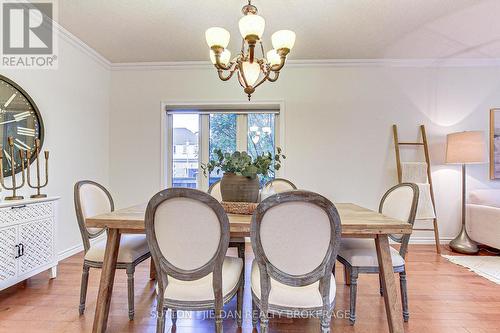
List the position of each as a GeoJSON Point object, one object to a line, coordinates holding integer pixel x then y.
{"type": "Point", "coordinates": [251, 71]}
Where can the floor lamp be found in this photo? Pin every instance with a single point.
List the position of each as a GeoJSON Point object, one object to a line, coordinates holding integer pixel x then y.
{"type": "Point", "coordinates": [465, 148]}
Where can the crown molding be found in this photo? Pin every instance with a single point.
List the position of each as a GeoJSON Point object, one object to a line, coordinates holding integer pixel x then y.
{"type": "Point", "coordinates": [440, 62]}
{"type": "Point", "coordinates": [82, 46]}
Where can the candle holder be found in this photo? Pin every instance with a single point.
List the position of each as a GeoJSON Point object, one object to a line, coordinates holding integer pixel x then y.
{"type": "Point", "coordinates": [14, 186]}
{"type": "Point", "coordinates": [38, 185]}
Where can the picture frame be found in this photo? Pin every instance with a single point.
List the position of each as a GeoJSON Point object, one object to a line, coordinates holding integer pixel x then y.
{"type": "Point", "coordinates": [495, 143]}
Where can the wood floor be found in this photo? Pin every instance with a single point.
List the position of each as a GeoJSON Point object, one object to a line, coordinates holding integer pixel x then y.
{"type": "Point", "coordinates": [443, 298]}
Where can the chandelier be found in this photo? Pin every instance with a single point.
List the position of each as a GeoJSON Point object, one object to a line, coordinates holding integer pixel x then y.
{"type": "Point", "coordinates": [251, 70]}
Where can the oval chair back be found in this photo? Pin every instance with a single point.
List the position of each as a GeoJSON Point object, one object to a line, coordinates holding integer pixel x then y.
{"type": "Point", "coordinates": [214, 190]}
{"type": "Point", "coordinates": [91, 199]}
{"type": "Point", "coordinates": [295, 238]}
{"type": "Point", "coordinates": [280, 185]}
{"type": "Point", "coordinates": [400, 202]}
{"type": "Point", "coordinates": [188, 235]}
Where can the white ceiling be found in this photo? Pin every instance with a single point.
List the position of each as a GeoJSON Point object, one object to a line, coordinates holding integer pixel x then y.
{"type": "Point", "coordinates": [173, 30]}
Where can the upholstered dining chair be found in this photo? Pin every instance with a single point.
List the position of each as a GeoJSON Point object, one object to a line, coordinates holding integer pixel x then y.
{"type": "Point", "coordinates": [280, 185]}
{"type": "Point", "coordinates": [93, 199]}
{"type": "Point", "coordinates": [360, 255]}
{"type": "Point", "coordinates": [239, 242]}
{"type": "Point", "coordinates": [214, 190]}
{"type": "Point", "coordinates": [295, 238]}
{"type": "Point", "coordinates": [188, 234]}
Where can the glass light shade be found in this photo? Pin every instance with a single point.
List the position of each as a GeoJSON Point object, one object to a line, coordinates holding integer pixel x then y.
{"type": "Point", "coordinates": [283, 39]}
{"type": "Point", "coordinates": [466, 148]}
{"type": "Point", "coordinates": [273, 58]}
{"type": "Point", "coordinates": [254, 128]}
{"type": "Point", "coordinates": [225, 57]}
{"type": "Point", "coordinates": [252, 25]}
{"type": "Point", "coordinates": [251, 71]}
{"type": "Point", "coordinates": [216, 36]}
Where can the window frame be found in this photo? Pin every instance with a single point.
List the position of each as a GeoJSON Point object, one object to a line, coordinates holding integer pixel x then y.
{"type": "Point", "coordinates": [204, 109]}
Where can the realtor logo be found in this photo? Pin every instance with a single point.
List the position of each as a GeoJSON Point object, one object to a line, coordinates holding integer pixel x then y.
{"type": "Point", "coordinates": [28, 34]}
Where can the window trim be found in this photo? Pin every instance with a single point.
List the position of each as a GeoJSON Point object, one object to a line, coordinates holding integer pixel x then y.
{"type": "Point", "coordinates": [166, 154]}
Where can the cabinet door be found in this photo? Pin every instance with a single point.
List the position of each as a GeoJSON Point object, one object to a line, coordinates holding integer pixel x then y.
{"type": "Point", "coordinates": [8, 253]}
{"type": "Point", "coordinates": [37, 240]}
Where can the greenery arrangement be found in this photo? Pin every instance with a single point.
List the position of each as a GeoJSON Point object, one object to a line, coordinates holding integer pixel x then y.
{"type": "Point", "coordinates": [241, 163]}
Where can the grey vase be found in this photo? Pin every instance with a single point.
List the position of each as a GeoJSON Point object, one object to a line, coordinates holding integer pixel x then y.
{"type": "Point", "coordinates": [236, 188]}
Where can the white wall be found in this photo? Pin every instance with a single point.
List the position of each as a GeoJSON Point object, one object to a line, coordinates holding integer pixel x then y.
{"type": "Point", "coordinates": [74, 104]}
{"type": "Point", "coordinates": [338, 121]}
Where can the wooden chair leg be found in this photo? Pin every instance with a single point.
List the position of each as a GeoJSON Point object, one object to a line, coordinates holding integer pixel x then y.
{"type": "Point", "coordinates": [130, 285]}
{"type": "Point", "coordinates": [381, 290]}
{"type": "Point", "coordinates": [173, 317]}
{"type": "Point", "coordinates": [325, 321]}
{"type": "Point", "coordinates": [255, 314]}
{"type": "Point", "coordinates": [160, 315]}
{"type": "Point", "coordinates": [83, 288]}
{"type": "Point", "coordinates": [404, 296]}
{"type": "Point", "coordinates": [239, 305]}
{"type": "Point", "coordinates": [353, 294]}
{"type": "Point", "coordinates": [264, 322]}
{"type": "Point", "coordinates": [347, 276]}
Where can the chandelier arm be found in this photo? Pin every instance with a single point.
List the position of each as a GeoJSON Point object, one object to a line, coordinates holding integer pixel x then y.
{"type": "Point", "coordinates": [226, 78]}
{"type": "Point", "coordinates": [266, 77]}
{"type": "Point", "coordinates": [220, 65]}
{"type": "Point", "coordinates": [275, 78]}
{"type": "Point", "coordinates": [278, 67]}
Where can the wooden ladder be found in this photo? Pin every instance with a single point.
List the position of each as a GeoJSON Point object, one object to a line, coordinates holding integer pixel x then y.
{"type": "Point", "coordinates": [425, 145]}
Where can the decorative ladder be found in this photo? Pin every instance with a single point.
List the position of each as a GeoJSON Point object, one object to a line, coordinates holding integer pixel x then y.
{"type": "Point", "coordinates": [423, 144]}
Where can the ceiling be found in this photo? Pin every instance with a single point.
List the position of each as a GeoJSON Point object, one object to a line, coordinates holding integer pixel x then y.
{"type": "Point", "coordinates": [173, 30]}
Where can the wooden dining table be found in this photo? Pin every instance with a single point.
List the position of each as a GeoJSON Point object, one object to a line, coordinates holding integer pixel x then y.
{"type": "Point", "coordinates": [356, 221]}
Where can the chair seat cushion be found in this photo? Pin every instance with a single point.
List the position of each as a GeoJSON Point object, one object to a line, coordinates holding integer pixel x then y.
{"type": "Point", "coordinates": [362, 253]}
{"type": "Point", "coordinates": [132, 247]}
{"type": "Point", "coordinates": [202, 289]}
{"type": "Point", "coordinates": [294, 297]}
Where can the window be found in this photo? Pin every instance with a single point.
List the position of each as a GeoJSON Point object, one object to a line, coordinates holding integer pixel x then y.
{"type": "Point", "coordinates": [193, 135]}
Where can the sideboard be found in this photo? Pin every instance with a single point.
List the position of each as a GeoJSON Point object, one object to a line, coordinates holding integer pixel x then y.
{"type": "Point", "coordinates": [27, 239]}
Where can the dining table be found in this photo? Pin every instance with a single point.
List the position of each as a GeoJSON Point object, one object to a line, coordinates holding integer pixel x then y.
{"type": "Point", "coordinates": [356, 222]}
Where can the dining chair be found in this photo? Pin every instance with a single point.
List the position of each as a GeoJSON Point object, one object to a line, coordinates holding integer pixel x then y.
{"type": "Point", "coordinates": [188, 234]}
{"type": "Point", "coordinates": [295, 238]}
{"type": "Point", "coordinates": [93, 199]}
{"type": "Point", "coordinates": [360, 255]}
{"type": "Point", "coordinates": [238, 242]}
{"type": "Point", "coordinates": [280, 185]}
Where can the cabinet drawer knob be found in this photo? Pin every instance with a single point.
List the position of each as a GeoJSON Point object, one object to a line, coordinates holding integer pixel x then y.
{"type": "Point", "coordinates": [17, 207]}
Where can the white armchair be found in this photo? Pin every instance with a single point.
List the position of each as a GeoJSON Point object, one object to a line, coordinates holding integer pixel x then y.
{"type": "Point", "coordinates": [483, 217]}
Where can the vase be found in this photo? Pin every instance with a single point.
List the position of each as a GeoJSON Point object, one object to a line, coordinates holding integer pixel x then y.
{"type": "Point", "coordinates": [236, 188]}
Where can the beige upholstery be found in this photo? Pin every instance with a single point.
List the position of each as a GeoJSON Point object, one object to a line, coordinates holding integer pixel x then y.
{"type": "Point", "coordinates": [93, 201]}
{"type": "Point", "coordinates": [398, 203]}
{"type": "Point", "coordinates": [287, 296]}
{"type": "Point", "coordinates": [483, 217]}
{"type": "Point", "coordinates": [362, 253]}
{"type": "Point", "coordinates": [215, 191]}
{"type": "Point", "coordinates": [132, 247]}
{"type": "Point", "coordinates": [295, 236]}
{"type": "Point", "coordinates": [202, 289]}
{"type": "Point", "coordinates": [182, 223]}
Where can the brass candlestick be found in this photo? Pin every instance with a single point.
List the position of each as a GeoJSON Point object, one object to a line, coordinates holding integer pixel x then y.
{"type": "Point", "coordinates": [14, 186]}
{"type": "Point", "coordinates": [38, 186]}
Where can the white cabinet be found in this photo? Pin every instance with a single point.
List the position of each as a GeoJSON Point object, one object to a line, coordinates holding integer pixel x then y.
{"type": "Point", "coordinates": [27, 239]}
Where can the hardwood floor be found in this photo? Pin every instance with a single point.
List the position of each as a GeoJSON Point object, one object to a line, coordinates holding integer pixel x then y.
{"type": "Point", "coordinates": [443, 298]}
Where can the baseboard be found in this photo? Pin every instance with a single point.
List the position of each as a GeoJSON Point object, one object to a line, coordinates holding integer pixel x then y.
{"type": "Point", "coordinates": [76, 249]}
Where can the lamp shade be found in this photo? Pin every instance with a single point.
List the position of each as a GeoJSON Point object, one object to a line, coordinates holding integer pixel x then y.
{"type": "Point", "coordinates": [466, 148]}
{"type": "Point", "coordinates": [252, 72]}
{"type": "Point", "coordinates": [216, 36]}
{"type": "Point", "coordinates": [225, 57]}
{"type": "Point", "coordinates": [283, 39]}
{"type": "Point", "coordinates": [252, 25]}
{"type": "Point", "coordinates": [273, 58]}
